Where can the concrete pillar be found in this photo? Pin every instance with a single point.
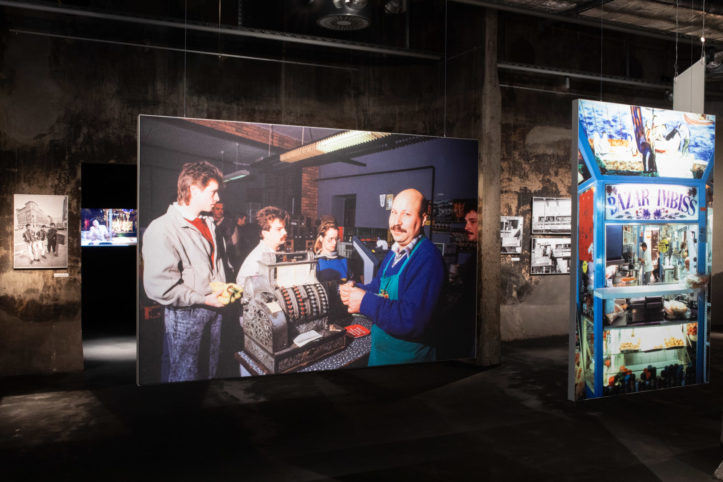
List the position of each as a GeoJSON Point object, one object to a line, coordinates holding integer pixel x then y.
{"type": "Point", "coordinates": [488, 312]}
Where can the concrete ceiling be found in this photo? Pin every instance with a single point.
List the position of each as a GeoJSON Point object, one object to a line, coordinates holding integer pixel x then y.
{"type": "Point", "coordinates": [688, 19]}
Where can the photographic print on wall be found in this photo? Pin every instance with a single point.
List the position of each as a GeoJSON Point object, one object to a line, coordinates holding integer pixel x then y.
{"type": "Point", "coordinates": [550, 256]}
{"type": "Point", "coordinates": [40, 224]}
{"type": "Point", "coordinates": [302, 212]}
{"type": "Point", "coordinates": [551, 215]}
{"type": "Point", "coordinates": [511, 234]}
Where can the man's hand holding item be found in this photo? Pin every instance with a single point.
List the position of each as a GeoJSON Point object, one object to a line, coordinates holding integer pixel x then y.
{"type": "Point", "coordinates": [351, 296]}
{"type": "Point", "coordinates": [214, 299]}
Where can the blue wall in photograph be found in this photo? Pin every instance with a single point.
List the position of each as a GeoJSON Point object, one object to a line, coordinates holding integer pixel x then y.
{"type": "Point", "coordinates": [450, 163]}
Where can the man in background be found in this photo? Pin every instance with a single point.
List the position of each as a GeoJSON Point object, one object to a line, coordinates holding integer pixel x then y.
{"type": "Point", "coordinates": [457, 338]}
{"type": "Point", "coordinates": [647, 262]}
{"type": "Point", "coordinates": [247, 237]}
{"type": "Point", "coordinates": [98, 232]}
{"type": "Point", "coordinates": [52, 240]}
{"type": "Point", "coordinates": [225, 234]}
{"type": "Point", "coordinates": [272, 223]}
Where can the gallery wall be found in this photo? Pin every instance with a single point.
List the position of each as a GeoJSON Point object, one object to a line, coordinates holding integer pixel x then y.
{"type": "Point", "coordinates": [39, 311]}
{"type": "Point", "coordinates": [536, 133]}
{"type": "Point", "coordinates": [69, 101]}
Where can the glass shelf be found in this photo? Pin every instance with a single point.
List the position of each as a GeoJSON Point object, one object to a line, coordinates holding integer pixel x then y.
{"type": "Point", "coordinates": [641, 291]}
{"type": "Point", "coordinates": [651, 325]}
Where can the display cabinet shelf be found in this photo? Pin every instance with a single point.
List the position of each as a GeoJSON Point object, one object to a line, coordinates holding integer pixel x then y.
{"type": "Point", "coordinates": [642, 326]}
{"type": "Point", "coordinates": [640, 291]}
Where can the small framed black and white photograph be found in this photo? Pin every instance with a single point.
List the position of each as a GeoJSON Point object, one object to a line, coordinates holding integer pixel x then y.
{"type": "Point", "coordinates": [40, 225]}
{"type": "Point", "coordinates": [551, 215]}
{"type": "Point", "coordinates": [550, 256]}
{"type": "Point", "coordinates": [511, 234]}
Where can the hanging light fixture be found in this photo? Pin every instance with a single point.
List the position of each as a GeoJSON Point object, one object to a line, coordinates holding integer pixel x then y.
{"type": "Point", "coordinates": [344, 15]}
{"type": "Point", "coordinates": [236, 175]}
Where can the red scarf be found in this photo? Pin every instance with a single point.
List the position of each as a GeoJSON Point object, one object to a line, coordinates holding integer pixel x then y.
{"type": "Point", "coordinates": [203, 227]}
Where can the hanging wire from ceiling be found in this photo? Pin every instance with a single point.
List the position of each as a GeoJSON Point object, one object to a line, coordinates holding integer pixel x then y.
{"type": "Point", "coordinates": [218, 35]}
{"type": "Point", "coordinates": [444, 126]}
{"type": "Point", "coordinates": [675, 65]}
{"type": "Point", "coordinates": [691, 21]}
{"type": "Point", "coordinates": [185, 51]}
{"type": "Point", "coordinates": [702, 35]}
{"type": "Point", "coordinates": [602, 14]}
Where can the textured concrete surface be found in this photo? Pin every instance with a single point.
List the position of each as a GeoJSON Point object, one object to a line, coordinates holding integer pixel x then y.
{"type": "Point", "coordinates": [63, 102]}
{"type": "Point", "coordinates": [442, 421]}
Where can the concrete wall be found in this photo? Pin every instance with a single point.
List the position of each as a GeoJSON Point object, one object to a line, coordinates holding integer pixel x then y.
{"type": "Point", "coordinates": [536, 137]}
{"type": "Point", "coordinates": [39, 314]}
{"type": "Point", "coordinates": [64, 102]}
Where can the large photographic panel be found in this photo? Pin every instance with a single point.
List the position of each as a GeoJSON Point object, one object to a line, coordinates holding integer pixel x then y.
{"type": "Point", "coordinates": [633, 140]}
{"type": "Point", "coordinates": [40, 225]}
{"type": "Point", "coordinates": [298, 234]}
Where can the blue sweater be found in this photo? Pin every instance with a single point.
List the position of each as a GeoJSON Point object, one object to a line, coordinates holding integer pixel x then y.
{"type": "Point", "coordinates": [411, 316]}
{"type": "Point", "coordinates": [329, 269]}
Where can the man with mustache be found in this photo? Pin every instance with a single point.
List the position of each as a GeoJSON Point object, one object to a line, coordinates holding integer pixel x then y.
{"type": "Point", "coordinates": [272, 223]}
{"type": "Point", "coordinates": [402, 297]}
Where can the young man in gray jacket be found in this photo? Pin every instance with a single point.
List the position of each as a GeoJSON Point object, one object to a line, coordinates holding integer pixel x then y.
{"type": "Point", "coordinates": [180, 260]}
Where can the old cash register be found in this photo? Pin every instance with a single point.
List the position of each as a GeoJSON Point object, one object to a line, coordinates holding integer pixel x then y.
{"type": "Point", "coordinates": [286, 319]}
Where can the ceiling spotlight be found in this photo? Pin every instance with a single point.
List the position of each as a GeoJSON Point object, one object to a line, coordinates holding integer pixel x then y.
{"type": "Point", "coordinates": [344, 15]}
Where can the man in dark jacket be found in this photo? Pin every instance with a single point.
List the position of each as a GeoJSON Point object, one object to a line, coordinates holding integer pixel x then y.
{"type": "Point", "coordinates": [52, 240]}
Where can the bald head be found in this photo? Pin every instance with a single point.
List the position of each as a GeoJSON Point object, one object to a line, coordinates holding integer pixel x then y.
{"type": "Point", "coordinates": [407, 216]}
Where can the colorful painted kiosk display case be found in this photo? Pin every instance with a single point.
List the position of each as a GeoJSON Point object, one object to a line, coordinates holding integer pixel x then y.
{"type": "Point", "coordinates": [641, 233]}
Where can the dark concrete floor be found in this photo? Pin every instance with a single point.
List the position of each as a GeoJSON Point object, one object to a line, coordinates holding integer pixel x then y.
{"type": "Point", "coordinates": [444, 421]}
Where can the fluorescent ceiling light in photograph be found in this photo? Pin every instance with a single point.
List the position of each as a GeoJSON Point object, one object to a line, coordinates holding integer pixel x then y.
{"type": "Point", "coordinates": [240, 174]}
{"type": "Point", "coordinates": [333, 143]}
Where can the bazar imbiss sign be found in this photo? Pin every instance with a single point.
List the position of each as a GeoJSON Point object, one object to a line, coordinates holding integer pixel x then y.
{"type": "Point", "coordinates": [651, 202]}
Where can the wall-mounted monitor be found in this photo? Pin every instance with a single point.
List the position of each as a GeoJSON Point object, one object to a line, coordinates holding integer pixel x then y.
{"type": "Point", "coordinates": [108, 227]}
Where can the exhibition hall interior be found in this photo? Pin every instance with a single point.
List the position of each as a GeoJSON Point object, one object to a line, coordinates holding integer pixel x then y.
{"type": "Point", "coordinates": [361, 240]}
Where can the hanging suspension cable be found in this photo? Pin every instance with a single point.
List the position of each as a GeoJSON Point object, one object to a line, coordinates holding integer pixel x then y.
{"type": "Point", "coordinates": [602, 14]}
{"type": "Point", "coordinates": [675, 66]}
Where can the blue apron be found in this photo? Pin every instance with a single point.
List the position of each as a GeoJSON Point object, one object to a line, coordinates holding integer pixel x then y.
{"type": "Point", "coordinates": [389, 350]}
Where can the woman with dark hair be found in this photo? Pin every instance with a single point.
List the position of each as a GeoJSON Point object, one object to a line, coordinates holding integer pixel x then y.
{"type": "Point", "coordinates": [330, 267]}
